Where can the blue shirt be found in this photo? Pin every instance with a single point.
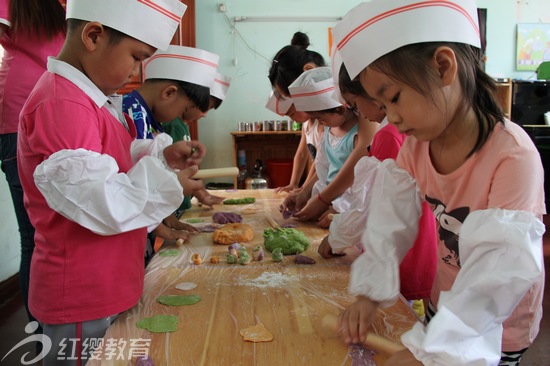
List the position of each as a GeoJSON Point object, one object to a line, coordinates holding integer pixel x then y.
{"type": "Point", "coordinates": [146, 124]}
{"type": "Point", "coordinates": [338, 154]}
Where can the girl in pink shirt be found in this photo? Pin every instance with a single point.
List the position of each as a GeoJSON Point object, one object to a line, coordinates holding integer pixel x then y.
{"type": "Point", "coordinates": [30, 31]}
{"type": "Point", "coordinates": [469, 163]}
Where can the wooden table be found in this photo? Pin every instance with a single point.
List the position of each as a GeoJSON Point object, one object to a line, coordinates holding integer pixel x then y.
{"type": "Point", "coordinates": [288, 299]}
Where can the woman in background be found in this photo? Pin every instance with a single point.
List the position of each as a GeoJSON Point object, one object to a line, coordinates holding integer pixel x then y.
{"type": "Point", "coordinates": [30, 31]}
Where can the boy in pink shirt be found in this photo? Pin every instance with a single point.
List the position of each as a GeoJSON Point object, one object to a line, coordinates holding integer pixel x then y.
{"type": "Point", "coordinates": [91, 189]}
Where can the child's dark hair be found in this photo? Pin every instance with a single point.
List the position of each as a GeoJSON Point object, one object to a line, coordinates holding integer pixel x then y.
{"type": "Point", "coordinates": [42, 18]}
{"type": "Point", "coordinates": [216, 102]}
{"type": "Point", "coordinates": [346, 85]}
{"type": "Point", "coordinates": [115, 36]}
{"type": "Point", "coordinates": [198, 94]}
{"type": "Point", "coordinates": [289, 62]}
{"type": "Point", "coordinates": [409, 65]}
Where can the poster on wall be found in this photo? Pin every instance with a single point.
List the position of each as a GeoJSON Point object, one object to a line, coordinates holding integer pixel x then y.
{"type": "Point", "coordinates": [533, 45]}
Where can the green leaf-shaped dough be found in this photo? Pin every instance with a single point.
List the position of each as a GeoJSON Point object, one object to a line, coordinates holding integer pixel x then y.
{"type": "Point", "coordinates": [178, 300]}
{"type": "Point", "coordinates": [159, 323]}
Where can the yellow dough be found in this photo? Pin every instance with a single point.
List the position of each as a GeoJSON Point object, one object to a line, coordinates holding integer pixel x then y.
{"type": "Point", "coordinates": [233, 233]}
{"type": "Point", "coordinates": [256, 333]}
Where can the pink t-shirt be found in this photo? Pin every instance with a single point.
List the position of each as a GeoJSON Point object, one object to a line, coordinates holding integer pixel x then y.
{"type": "Point", "coordinates": [417, 269]}
{"type": "Point", "coordinates": [24, 61]}
{"type": "Point", "coordinates": [76, 275]}
{"type": "Point", "coordinates": [506, 173]}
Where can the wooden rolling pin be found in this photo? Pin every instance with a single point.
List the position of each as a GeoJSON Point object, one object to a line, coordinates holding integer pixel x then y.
{"type": "Point", "coordinates": [216, 172]}
{"type": "Point", "coordinates": [373, 341]}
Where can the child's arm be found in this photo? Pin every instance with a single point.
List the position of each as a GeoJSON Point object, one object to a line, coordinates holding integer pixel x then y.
{"type": "Point", "coordinates": [207, 199]}
{"type": "Point", "coordinates": [301, 158]}
{"type": "Point", "coordinates": [344, 178]}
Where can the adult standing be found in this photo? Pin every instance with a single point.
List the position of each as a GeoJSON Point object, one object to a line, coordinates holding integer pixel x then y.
{"type": "Point", "coordinates": [30, 31]}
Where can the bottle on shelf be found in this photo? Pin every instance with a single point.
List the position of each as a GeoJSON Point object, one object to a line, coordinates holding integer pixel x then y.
{"type": "Point", "coordinates": [243, 174]}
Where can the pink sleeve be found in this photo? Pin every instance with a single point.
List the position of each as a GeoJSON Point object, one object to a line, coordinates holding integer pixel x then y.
{"type": "Point", "coordinates": [4, 11]}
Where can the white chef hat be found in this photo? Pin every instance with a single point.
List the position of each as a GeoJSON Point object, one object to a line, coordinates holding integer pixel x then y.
{"type": "Point", "coordinates": [188, 64]}
{"type": "Point", "coordinates": [220, 86]}
{"type": "Point", "coordinates": [336, 64]}
{"type": "Point", "coordinates": [314, 90]}
{"type": "Point", "coordinates": [150, 21]}
{"type": "Point", "coordinates": [373, 29]}
{"type": "Point", "coordinates": [279, 106]}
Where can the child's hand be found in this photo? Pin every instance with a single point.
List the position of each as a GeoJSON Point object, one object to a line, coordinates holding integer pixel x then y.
{"type": "Point", "coordinates": [325, 250]}
{"type": "Point", "coordinates": [189, 185]}
{"type": "Point", "coordinates": [403, 358]}
{"type": "Point", "coordinates": [183, 154]}
{"type": "Point", "coordinates": [324, 219]}
{"type": "Point", "coordinates": [312, 211]}
{"type": "Point", "coordinates": [355, 321]}
{"type": "Point", "coordinates": [209, 200]}
{"type": "Point", "coordinates": [174, 223]}
{"type": "Point", "coordinates": [166, 233]}
{"type": "Point", "coordinates": [294, 201]}
{"type": "Point", "coordinates": [288, 188]}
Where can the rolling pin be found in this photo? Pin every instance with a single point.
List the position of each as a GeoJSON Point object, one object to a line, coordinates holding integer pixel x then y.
{"type": "Point", "coordinates": [216, 172]}
{"type": "Point", "coordinates": [373, 341]}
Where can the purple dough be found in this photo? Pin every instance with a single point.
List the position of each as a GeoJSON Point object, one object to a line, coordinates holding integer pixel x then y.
{"type": "Point", "coordinates": [287, 214]}
{"type": "Point", "coordinates": [144, 361]}
{"type": "Point", "coordinates": [226, 217]}
{"type": "Point", "coordinates": [302, 259]}
{"type": "Point", "coordinates": [289, 225]}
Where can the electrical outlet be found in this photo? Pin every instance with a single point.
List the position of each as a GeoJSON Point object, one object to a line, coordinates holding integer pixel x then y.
{"type": "Point", "coordinates": [222, 7]}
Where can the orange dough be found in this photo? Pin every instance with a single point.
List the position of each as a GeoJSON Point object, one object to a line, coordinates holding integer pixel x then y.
{"type": "Point", "coordinates": [256, 333]}
{"type": "Point", "coordinates": [233, 233]}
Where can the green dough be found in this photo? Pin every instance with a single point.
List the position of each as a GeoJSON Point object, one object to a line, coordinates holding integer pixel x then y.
{"type": "Point", "coordinates": [276, 255]}
{"type": "Point", "coordinates": [179, 300]}
{"type": "Point", "coordinates": [159, 323]}
{"type": "Point", "coordinates": [194, 220]}
{"type": "Point", "coordinates": [169, 253]}
{"type": "Point", "coordinates": [291, 241]}
{"type": "Point", "coordinates": [238, 201]}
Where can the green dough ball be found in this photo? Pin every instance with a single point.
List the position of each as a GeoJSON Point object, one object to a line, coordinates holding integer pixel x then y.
{"type": "Point", "coordinates": [239, 201]}
{"type": "Point", "coordinates": [178, 300]}
{"type": "Point", "coordinates": [169, 253]}
{"type": "Point", "coordinates": [291, 241]}
{"type": "Point", "coordinates": [159, 323]}
{"type": "Point", "coordinates": [194, 220]}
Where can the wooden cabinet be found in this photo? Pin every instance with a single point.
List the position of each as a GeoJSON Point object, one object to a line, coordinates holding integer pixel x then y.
{"type": "Point", "coordinates": [504, 93]}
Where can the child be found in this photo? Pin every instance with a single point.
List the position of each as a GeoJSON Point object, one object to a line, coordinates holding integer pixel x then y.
{"type": "Point", "coordinates": [468, 162]}
{"type": "Point", "coordinates": [177, 81]}
{"type": "Point", "coordinates": [289, 63]}
{"type": "Point", "coordinates": [91, 189]}
{"type": "Point", "coordinates": [312, 93]}
{"type": "Point", "coordinates": [30, 32]}
{"type": "Point", "coordinates": [179, 130]}
{"type": "Point", "coordinates": [307, 148]}
{"type": "Point", "coordinates": [417, 270]}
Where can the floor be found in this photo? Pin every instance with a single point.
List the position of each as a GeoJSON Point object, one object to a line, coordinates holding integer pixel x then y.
{"type": "Point", "coordinates": [14, 319]}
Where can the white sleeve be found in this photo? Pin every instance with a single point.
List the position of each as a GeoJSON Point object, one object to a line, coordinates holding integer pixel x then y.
{"type": "Point", "coordinates": [87, 188]}
{"type": "Point", "coordinates": [501, 256]}
{"type": "Point", "coordinates": [388, 236]}
{"type": "Point", "coordinates": [347, 227]}
{"type": "Point", "coordinates": [150, 147]}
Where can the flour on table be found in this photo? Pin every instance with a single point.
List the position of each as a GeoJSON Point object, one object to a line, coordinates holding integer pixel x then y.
{"type": "Point", "coordinates": [184, 286]}
{"type": "Point", "coordinates": [268, 279]}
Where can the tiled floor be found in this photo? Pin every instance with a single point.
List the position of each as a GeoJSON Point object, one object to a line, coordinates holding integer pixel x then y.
{"type": "Point", "coordinates": [14, 319]}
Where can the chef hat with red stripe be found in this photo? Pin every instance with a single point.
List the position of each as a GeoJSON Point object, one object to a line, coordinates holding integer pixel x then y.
{"type": "Point", "coordinates": [279, 106]}
{"type": "Point", "coordinates": [150, 21]}
{"type": "Point", "coordinates": [220, 86]}
{"type": "Point", "coordinates": [376, 28]}
{"type": "Point", "coordinates": [188, 64]}
{"type": "Point", "coordinates": [314, 90]}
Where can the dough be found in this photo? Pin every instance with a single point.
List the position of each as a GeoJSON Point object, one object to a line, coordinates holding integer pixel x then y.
{"type": "Point", "coordinates": [291, 241]}
{"type": "Point", "coordinates": [169, 253]}
{"type": "Point", "coordinates": [177, 300]}
{"type": "Point", "coordinates": [233, 233]}
{"type": "Point", "coordinates": [239, 201]}
{"type": "Point", "coordinates": [194, 220]}
{"type": "Point", "coordinates": [256, 333]}
{"type": "Point", "coordinates": [159, 323]}
{"type": "Point", "coordinates": [210, 228]}
{"type": "Point", "coordinates": [226, 217]}
{"type": "Point", "coordinates": [186, 286]}
{"type": "Point", "coordinates": [302, 259]}
{"type": "Point", "coordinates": [250, 210]}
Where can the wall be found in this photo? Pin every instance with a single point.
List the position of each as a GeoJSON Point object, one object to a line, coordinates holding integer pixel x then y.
{"type": "Point", "coordinates": [248, 59]}
{"type": "Point", "coordinates": [248, 63]}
